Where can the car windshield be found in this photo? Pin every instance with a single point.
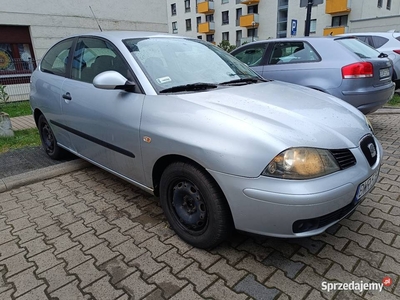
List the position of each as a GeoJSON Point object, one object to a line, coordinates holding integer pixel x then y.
{"type": "Point", "coordinates": [170, 63]}
{"type": "Point", "coordinates": [359, 48]}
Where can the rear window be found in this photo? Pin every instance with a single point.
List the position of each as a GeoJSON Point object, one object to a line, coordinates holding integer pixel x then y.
{"type": "Point", "coordinates": [358, 48]}
{"type": "Point", "coordinates": [379, 41]}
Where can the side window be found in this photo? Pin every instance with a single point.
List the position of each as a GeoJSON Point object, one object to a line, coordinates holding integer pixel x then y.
{"type": "Point", "coordinates": [379, 41]}
{"type": "Point", "coordinates": [56, 59]}
{"type": "Point", "coordinates": [293, 52]}
{"type": "Point", "coordinates": [252, 56]}
{"type": "Point", "coordinates": [93, 56]}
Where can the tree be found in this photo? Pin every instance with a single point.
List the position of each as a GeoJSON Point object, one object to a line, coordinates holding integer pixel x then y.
{"type": "Point", "coordinates": [225, 45]}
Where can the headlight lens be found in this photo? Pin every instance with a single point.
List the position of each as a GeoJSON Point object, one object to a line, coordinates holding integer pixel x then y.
{"type": "Point", "coordinates": [369, 124]}
{"type": "Point", "coordinates": [301, 163]}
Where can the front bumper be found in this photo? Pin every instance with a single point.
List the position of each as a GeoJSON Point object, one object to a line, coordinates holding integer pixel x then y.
{"type": "Point", "coordinates": [270, 206]}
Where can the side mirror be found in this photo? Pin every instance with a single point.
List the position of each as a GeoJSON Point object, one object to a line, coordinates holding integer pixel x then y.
{"type": "Point", "coordinates": [112, 80]}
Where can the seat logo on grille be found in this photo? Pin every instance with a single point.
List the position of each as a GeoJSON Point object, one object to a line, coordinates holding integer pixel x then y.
{"type": "Point", "coordinates": [372, 149]}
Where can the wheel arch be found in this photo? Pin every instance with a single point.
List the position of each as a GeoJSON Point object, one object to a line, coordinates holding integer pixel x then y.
{"type": "Point", "coordinates": [36, 114]}
{"type": "Point", "coordinates": [163, 162]}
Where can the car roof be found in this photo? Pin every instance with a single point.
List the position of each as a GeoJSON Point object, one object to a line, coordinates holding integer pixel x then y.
{"type": "Point", "coordinates": [121, 35]}
{"type": "Point", "coordinates": [384, 34]}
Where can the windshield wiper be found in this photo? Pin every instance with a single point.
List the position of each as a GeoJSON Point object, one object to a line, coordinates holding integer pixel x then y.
{"type": "Point", "coordinates": [198, 86]}
{"type": "Point", "coordinates": [242, 81]}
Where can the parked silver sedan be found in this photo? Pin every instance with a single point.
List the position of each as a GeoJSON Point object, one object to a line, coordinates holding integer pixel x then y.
{"type": "Point", "coordinates": [340, 66]}
{"type": "Point", "coordinates": [220, 146]}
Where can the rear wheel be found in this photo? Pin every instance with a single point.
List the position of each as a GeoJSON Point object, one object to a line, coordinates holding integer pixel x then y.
{"type": "Point", "coordinates": [49, 141]}
{"type": "Point", "coordinates": [194, 205]}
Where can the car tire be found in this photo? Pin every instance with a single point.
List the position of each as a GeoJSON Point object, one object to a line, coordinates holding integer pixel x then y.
{"type": "Point", "coordinates": [194, 205]}
{"type": "Point", "coordinates": [49, 141]}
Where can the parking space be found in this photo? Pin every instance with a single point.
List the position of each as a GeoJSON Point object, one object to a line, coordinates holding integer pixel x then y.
{"type": "Point", "coordinates": [90, 235]}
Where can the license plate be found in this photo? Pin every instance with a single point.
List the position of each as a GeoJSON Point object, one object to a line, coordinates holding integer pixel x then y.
{"type": "Point", "coordinates": [366, 186]}
{"type": "Point", "coordinates": [384, 73]}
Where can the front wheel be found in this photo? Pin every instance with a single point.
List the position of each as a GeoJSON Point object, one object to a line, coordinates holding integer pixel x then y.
{"type": "Point", "coordinates": [48, 139]}
{"type": "Point", "coordinates": [194, 205]}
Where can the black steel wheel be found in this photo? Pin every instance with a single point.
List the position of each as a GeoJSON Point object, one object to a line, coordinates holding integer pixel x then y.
{"type": "Point", "coordinates": [49, 141]}
{"type": "Point", "coordinates": [194, 205]}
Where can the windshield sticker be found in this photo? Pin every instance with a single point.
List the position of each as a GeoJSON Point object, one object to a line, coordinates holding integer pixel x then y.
{"type": "Point", "coordinates": [162, 80]}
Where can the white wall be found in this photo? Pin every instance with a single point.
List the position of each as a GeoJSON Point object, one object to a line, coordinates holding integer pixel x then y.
{"type": "Point", "coordinates": [51, 20]}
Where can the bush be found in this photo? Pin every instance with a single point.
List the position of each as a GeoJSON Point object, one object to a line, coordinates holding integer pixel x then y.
{"type": "Point", "coordinates": [225, 45]}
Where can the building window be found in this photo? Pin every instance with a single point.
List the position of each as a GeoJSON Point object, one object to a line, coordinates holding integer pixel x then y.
{"type": "Point", "coordinates": [187, 5]}
{"type": "Point", "coordinates": [380, 3]}
{"type": "Point", "coordinates": [173, 9]}
{"type": "Point", "coordinates": [225, 17]}
{"type": "Point", "coordinates": [199, 37]}
{"type": "Point", "coordinates": [238, 38]}
{"type": "Point", "coordinates": [253, 9]}
{"type": "Point", "coordinates": [174, 27]}
{"type": "Point", "coordinates": [339, 21]}
{"type": "Point", "coordinates": [388, 4]}
{"type": "Point", "coordinates": [239, 13]}
{"type": "Point", "coordinates": [252, 34]}
{"type": "Point", "coordinates": [313, 26]}
{"type": "Point", "coordinates": [198, 21]}
{"type": "Point", "coordinates": [210, 18]}
{"type": "Point", "coordinates": [224, 1]}
{"type": "Point", "coordinates": [188, 24]}
{"type": "Point", "coordinates": [225, 36]}
{"type": "Point", "coordinates": [210, 38]}
{"type": "Point", "coordinates": [16, 54]}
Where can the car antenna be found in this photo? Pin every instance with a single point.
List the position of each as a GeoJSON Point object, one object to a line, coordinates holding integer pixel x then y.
{"type": "Point", "coordinates": [95, 18]}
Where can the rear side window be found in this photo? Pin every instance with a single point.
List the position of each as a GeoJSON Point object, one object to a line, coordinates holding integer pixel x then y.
{"type": "Point", "coordinates": [293, 52]}
{"type": "Point", "coordinates": [358, 48]}
{"type": "Point", "coordinates": [379, 41]}
{"type": "Point", "coordinates": [252, 56]}
{"type": "Point", "coordinates": [56, 59]}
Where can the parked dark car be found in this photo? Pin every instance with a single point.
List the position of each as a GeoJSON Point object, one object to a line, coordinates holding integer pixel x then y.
{"type": "Point", "coordinates": [341, 66]}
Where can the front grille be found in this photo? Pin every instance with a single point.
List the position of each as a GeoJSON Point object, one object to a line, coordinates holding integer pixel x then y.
{"type": "Point", "coordinates": [315, 223]}
{"type": "Point", "coordinates": [369, 149]}
{"type": "Point", "coordinates": [344, 158]}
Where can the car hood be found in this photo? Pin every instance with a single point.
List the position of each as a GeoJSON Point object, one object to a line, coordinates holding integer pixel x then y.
{"type": "Point", "coordinates": [291, 115]}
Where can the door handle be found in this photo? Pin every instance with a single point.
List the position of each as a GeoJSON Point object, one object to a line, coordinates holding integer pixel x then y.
{"type": "Point", "coordinates": [67, 96]}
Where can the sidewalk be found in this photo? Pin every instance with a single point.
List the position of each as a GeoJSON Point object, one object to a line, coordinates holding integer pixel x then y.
{"type": "Point", "coordinates": [24, 122]}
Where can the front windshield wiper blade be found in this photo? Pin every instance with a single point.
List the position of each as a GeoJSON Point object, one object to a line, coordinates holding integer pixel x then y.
{"type": "Point", "coordinates": [243, 81]}
{"type": "Point", "coordinates": [190, 87]}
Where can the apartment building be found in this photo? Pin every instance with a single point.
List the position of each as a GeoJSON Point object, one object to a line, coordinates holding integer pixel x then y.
{"type": "Point", "coordinates": [240, 21]}
{"type": "Point", "coordinates": [29, 28]}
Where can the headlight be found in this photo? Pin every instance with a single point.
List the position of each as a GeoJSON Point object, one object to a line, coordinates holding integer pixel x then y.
{"type": "Point", "coordinates": [301, 163]}
{"type": "Point", "coordinates": [369, 124]}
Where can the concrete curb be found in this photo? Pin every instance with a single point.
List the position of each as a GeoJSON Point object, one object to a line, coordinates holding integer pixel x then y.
{"type": "Point", "coordinates": [387, 111]}
{"type": "Point", "coordinates": [34, 176]}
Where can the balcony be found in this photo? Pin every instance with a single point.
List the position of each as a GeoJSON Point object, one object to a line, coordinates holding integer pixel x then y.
{"type": "Point", "coordinates": [205, 7]}
{"type": "Point", "coordinates": [249, 21]}
{"type": "Point", "coordinates": [249, 2]}
{"type": "Point", "coordinates": [335, 30]}
{"type": "Point", "coordinates": [207, 28]}
{"type": "Point", "coordinates": [336, 7]}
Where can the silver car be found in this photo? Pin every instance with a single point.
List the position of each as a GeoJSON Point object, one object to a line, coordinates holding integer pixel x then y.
{"type": "Point", "coordinates": [221, 147]}
{"type": "Point", "coordinates": [343, 67]}
{"type": "Point", "coordinates": [384, 42]}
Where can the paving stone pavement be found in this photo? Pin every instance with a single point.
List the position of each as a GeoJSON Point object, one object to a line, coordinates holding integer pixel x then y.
{"type": "Point", "coordinates": [89, 235]}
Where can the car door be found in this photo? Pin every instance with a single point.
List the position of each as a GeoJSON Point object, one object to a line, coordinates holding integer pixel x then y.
{"type": "Point", "coordinates": [292, 61]}
{"type": "Point", "coordinates": [104, 124]}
